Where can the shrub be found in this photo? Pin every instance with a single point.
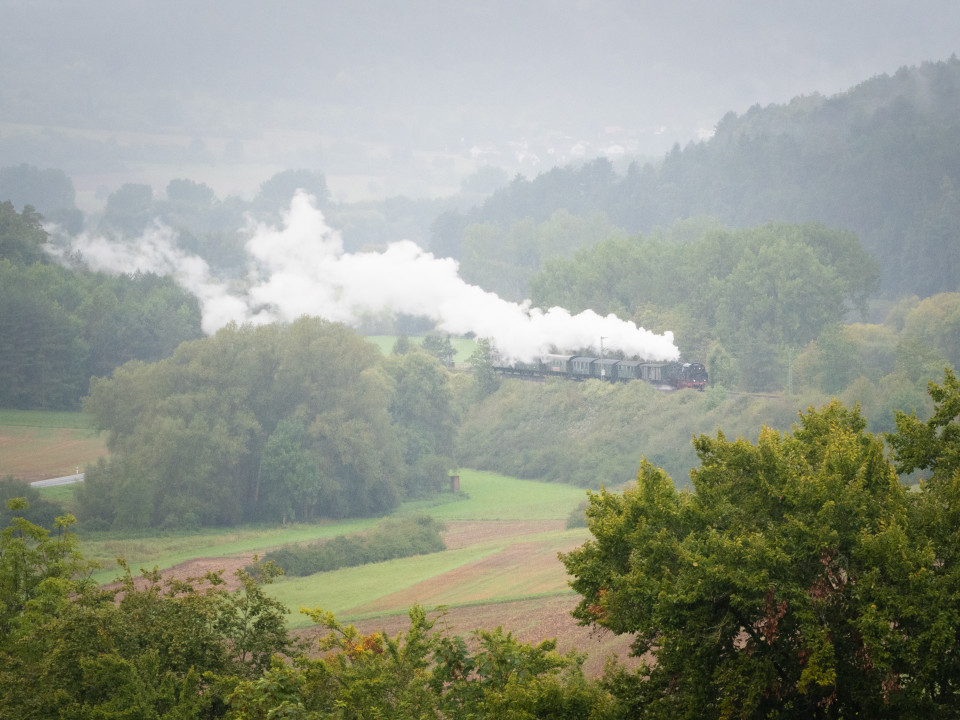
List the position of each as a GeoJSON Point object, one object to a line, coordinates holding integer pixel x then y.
{"type": "Point", "coordinates": [391, 539]}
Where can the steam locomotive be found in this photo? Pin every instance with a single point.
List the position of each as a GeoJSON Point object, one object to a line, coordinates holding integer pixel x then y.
{"type": "Point", "coordinates": [665, 374]}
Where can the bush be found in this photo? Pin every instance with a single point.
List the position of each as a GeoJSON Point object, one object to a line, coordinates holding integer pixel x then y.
{"type": "Point", "coordinates": [40, 511]}
{"type": "Point", "coordinates": [578, 516]}
{"type": "Point", "coordinates": [414, 535]}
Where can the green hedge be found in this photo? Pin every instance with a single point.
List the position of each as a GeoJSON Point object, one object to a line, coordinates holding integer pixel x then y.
{"type": "Point", "coordinates": [414, 535]}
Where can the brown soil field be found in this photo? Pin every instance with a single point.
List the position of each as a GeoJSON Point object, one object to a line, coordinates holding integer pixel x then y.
{"type": "Point", "coordinates": [526, 563]}
{"type": "Point", "coordinates": [520, 569]}
{"type": "Point", "coordinates": [31, 453]}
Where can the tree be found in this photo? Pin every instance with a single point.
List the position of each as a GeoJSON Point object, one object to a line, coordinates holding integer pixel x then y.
{"type": "Point", "coordinates": [155, 647]}
{"type": "Point", "coordinates": [290, 478]}
{"type": "Point", "coordinates": [798, 580]}
{"type": "Point", "coordinates": [45, 190]}
{"type": "Point", "coordinates": [43, 357]}
{"type": "Point", "coordinates": [38, 510]}
{"type": "Point", "coordinates": [440, 347]}
{"type": "Point", "coordinates": [275, 194]}
{"type": "Point", "coordinates": [21, 236]}
{"type": "Point", "coordinates": [186, 193]}
{"type": "Point", "coordinates": [936, 321]}
{"type": "Point", "coordinates": [188, 434]}
{"type": "Point", "coordinates": [50, 191]}
{"type": "Point", "coordinates": [422, 412]}
{"type": "Point", "coordinates": [422, 673]}
{"type": "Point", "coordinates": [935, 444]}
{"type": "Point", "coordinates": [485, 377]}
{"type": "Point", "coordinates": [129, 210]}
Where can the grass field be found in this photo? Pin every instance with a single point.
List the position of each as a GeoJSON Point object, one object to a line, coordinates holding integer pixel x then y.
{"type": "Point", "coordinates": [463, 347]}
{"type": "Point", "coordinates": [165, 550]}
{"type": "Point", "coordinates": [503, 536]}
{"type": "Point", "coordinates": [503, 543]}
{"type": "Point", "coordinates": [39, 445]}
{"type": "Point", "coordinates": [487, 498]}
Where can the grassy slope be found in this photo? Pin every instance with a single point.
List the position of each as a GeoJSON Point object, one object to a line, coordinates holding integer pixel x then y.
{"type": "Point", "coordinates": [463, 347]}
{"type": "Point", "coordinates": [507, 566]}
{"type": "Point", "coordinates": [164, 550]}
{"type": "Point", "coordinates": [515, 532]}
{"type": "Point", "coordinates": [490, 498]}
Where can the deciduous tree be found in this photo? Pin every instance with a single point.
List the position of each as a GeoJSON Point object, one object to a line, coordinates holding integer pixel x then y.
{"type": "Point", "coordinates": [799, 579]}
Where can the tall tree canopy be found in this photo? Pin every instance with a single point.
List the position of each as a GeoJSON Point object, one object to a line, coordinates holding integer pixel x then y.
{"type": "Point", "coordinates": [267, 422]}
{"type": "Point", "coordinates": [799, 579]}
{"type": "Point", "coordinates": [159, 648]}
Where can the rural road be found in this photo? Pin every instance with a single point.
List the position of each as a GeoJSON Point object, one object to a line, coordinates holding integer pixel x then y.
{"type": "Point", "coordinates": [65, 480]}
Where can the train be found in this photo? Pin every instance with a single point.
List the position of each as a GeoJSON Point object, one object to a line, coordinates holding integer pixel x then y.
{"type": "Point", "coordinates": [676, 375]}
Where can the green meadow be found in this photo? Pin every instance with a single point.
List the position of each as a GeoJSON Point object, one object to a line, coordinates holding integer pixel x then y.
{"type": "Point", "coordinates": [513, 530]}
{"type": "Point", "coordinates": [497, 497]}
{"type": "Point", "coordinates": [164, 550]}
{"type": "Point", "coordinates": [484, 496]}
{"type": "Point", "coordinates": [463, 347]}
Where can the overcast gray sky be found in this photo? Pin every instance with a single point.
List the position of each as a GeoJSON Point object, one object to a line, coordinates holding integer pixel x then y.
{"type": "Point", "coordinates": [442, 75]}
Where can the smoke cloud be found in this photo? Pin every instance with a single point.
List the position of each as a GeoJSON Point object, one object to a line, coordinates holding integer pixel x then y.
{"type": "Point", "coordinates": [300, 268]}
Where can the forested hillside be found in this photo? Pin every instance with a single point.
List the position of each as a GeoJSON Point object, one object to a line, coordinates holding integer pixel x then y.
{"type": "Point", "coordinates": [881, 160]}
{"type": "Point", "coordinates": [62, 326]}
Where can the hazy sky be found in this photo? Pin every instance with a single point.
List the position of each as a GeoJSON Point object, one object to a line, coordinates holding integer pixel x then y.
{"type": "Point", "coordinates": [442, 75]}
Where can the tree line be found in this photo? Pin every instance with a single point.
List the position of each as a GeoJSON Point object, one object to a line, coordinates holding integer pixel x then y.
{"type": "Point", "coordinates": [758, 293]}
{"type": "Point", "coordinates": [390, 539]}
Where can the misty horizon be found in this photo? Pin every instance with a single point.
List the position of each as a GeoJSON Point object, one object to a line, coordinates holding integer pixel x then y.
{"type": "Point", "coordinates": [388, 100]}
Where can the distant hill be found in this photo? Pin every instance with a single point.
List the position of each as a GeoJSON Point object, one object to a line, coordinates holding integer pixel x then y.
{"type": "Point", "coordinates": [881, 160]}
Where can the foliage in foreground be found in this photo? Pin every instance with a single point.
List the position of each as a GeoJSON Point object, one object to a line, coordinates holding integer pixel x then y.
{"type": "Point", "coordinates": [414, 535]}
{"type": "Point", "coordinates": [184, 650]}
{"type": "Point", "coordinates": [800, 579]}
{"type": "Point", "coordinates": [423, 674]}
{"type": "Point", "coordinates": [147, 648]}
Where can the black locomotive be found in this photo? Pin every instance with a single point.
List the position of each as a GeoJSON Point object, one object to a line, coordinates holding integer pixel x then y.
{"type": "Point", "coordinates": [666, 374]}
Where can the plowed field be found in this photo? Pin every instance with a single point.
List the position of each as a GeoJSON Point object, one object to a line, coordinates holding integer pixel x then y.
{"type": "Point", "coordinates": [37, 452]}
{"type": "Point", "coordinates": [520, 585]}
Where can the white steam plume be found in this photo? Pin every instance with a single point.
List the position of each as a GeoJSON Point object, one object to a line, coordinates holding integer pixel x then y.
{"type": "Point", "coordinates": [301, 269]}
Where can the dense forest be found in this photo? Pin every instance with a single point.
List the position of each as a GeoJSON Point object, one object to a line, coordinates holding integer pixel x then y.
{"type": "Point", "coordinates": [880, 160]}
{"type": "Point", "coordinates": [274, 423]}
{"type": "Point", "coordinates": [61, 326]}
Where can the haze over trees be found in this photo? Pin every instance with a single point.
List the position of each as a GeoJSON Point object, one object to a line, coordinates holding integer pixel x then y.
{"type": "Point", "coordinates": [764, 307]}
{"type": "Point", "coordinates": [805, 251]}
{"type": "Point", "coordinates": [61, 326]}
{"type": "Point", "coordinates": [879, 160]}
